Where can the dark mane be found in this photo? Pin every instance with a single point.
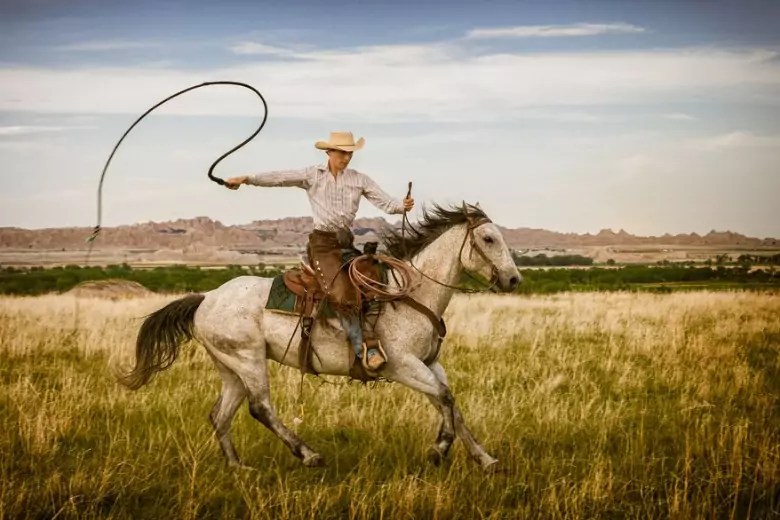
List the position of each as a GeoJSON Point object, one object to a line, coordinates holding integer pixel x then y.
{"type": "Point", "coordinates": [433, 223]}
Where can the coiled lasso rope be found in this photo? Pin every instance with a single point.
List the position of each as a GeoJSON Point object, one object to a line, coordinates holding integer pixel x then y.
{"type": "Point", "coordinates": [380, 291]}
{"type": "Point", "coordinates": [405, 285]}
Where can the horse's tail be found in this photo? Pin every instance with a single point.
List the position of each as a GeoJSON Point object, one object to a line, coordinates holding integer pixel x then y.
{"type": "Point", "coordinates": [159, 338]}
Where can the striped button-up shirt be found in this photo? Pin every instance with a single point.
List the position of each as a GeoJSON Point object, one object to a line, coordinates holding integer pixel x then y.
{"type": "Point", "coordinates": [334, 201]}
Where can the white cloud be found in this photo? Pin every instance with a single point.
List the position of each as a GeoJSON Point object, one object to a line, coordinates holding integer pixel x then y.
{"type": "Point", "coordinates": [568, 116]}
{"type": "Point", "coordinates": [23, 146]}
{"type": "Point", "coordinates": [26, 130]}
{"type": "Point", "coordinates": [678, 117]}
{"type": "Point", "coordinates": [436, 82]}
{"type": "Point", "coordinates": [251, 48]}
{"type": "Point", "coordinates": [107, 45]}
{"type": "Point", "coordinates": [22, 130]}
{"type": "Point", "coordinates": [549, 31]}
{"type": "Point", "coordinates": [735, 140]}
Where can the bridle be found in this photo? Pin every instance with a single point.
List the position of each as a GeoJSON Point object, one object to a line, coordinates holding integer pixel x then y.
{"type": "Point", "coordinates": [471, 224]}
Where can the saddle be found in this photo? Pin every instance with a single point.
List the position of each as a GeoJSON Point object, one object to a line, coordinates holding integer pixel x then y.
{"type": "Point", "coordinates": [303, 283]}
{"type": "Point", "coordinates": [309, 297]}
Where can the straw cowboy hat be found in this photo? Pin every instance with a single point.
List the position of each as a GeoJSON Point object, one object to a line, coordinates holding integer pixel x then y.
{"type": "Point", "coordinates": [341, 141]}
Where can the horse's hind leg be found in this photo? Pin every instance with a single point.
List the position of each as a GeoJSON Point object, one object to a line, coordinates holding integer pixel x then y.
{"type": "Point", "coordinates": [475, 448]}
{"type": "Point", "coordinates": [232, 395]}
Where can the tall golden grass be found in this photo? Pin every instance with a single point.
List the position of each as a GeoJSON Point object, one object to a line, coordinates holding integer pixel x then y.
{"type": "Point", "coordinates": [597, 405]}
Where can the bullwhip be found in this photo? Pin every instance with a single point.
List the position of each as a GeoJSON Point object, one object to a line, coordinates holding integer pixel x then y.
{"type": "Point", "coordinates": [211, 175]}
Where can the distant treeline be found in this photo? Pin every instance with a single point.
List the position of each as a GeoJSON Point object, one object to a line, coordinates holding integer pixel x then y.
{"type": "Point", "coordinates": [554, 260]}
{"type": "Point", "coordinates": [181, 279]}
{"type": "Point", "coordinates": [647, 278]}
{"type": "Point", "coordinates": [178, 278]}
{"type": "Point", "coordinates": [542, 259]}
{"type": "Point", "coordinates": [758, 259]}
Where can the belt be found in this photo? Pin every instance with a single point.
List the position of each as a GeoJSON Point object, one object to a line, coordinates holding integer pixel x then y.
{"type": "Point", "coordinates": [344, 238]}
{"type": "Point", "coordinates": [323, 233]}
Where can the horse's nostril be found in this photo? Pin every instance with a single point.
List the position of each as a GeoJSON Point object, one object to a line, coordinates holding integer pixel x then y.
{"type": "Point", "coordinates": [513, 282]}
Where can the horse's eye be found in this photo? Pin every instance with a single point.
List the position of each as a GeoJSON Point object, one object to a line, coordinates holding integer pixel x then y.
{"type": "Point", "coordinates": [488, 240]}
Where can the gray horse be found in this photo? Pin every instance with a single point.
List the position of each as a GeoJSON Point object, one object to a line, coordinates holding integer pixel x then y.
{"type": "Point", "coordinates": [240, 334]}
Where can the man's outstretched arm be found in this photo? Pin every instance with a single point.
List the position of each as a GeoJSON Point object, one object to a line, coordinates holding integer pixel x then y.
{"type": "Point", "coordinates": [379, 198]}
{"type": "Point", "coordinates": [279, 178]}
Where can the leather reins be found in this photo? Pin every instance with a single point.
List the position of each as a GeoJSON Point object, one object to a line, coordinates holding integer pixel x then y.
{"type": "Point", "coordinates": [472, 224]}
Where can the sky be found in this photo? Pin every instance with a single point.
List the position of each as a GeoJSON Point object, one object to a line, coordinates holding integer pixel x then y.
{"type": "Point", "coordinates": [652, 116]}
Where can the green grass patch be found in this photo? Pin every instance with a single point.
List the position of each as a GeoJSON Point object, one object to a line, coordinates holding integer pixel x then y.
{"type": "Point", "coordinates": [182, 279]}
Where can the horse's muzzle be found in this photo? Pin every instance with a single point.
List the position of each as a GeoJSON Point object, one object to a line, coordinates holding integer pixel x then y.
{"type": "Point", "coordinates": [512, 282]}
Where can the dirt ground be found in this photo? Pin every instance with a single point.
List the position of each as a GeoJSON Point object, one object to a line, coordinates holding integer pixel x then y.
{"type": "Point", "coordinates": [138, 259]}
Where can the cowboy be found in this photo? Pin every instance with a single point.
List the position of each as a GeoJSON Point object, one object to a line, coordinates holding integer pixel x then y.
{"type": "Point", "coordinates": [334, 193]}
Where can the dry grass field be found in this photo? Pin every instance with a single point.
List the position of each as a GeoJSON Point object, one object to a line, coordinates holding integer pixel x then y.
{"type": "Point", "coordinates": [597, 405]}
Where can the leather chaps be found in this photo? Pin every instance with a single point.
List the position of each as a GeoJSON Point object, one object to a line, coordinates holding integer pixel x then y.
{"type": "Point", "coordinates": [324, 250]}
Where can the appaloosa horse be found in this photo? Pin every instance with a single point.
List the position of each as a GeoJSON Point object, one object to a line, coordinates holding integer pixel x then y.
{"type": "Point", "coordinates": [240, 334]}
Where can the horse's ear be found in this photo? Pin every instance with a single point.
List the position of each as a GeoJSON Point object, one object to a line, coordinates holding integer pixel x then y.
{"type": "Point", "coordinates": [477, 205]}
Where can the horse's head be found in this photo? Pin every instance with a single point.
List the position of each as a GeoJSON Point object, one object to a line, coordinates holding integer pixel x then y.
{"type": "Point", "coordinates": [484, 251]}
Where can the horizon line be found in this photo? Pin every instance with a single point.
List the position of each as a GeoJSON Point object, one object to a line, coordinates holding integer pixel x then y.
{"type": "Point", "coordinates": [619, 231]}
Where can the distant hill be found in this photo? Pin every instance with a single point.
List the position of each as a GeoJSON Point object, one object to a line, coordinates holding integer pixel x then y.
{"type": "Point", "coordinates": [290, 232]}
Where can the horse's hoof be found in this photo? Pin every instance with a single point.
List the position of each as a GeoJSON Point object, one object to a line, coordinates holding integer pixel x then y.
{"type": "Point", "coordinates": [491, 466]}
{"type": "Point", "coordinates": [314, 461]}
{"type": "Point", "coordinates": [436, 456]}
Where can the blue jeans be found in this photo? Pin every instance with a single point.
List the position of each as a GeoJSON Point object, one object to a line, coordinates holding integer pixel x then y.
{"type": "Point", "coordinates": [354, 332]}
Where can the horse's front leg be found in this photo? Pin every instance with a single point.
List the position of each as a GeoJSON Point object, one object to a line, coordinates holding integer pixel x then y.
{"type": "Point", "coordinates": [411, 372]}
{"type": "Point", "coordinates": [472, 444]}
